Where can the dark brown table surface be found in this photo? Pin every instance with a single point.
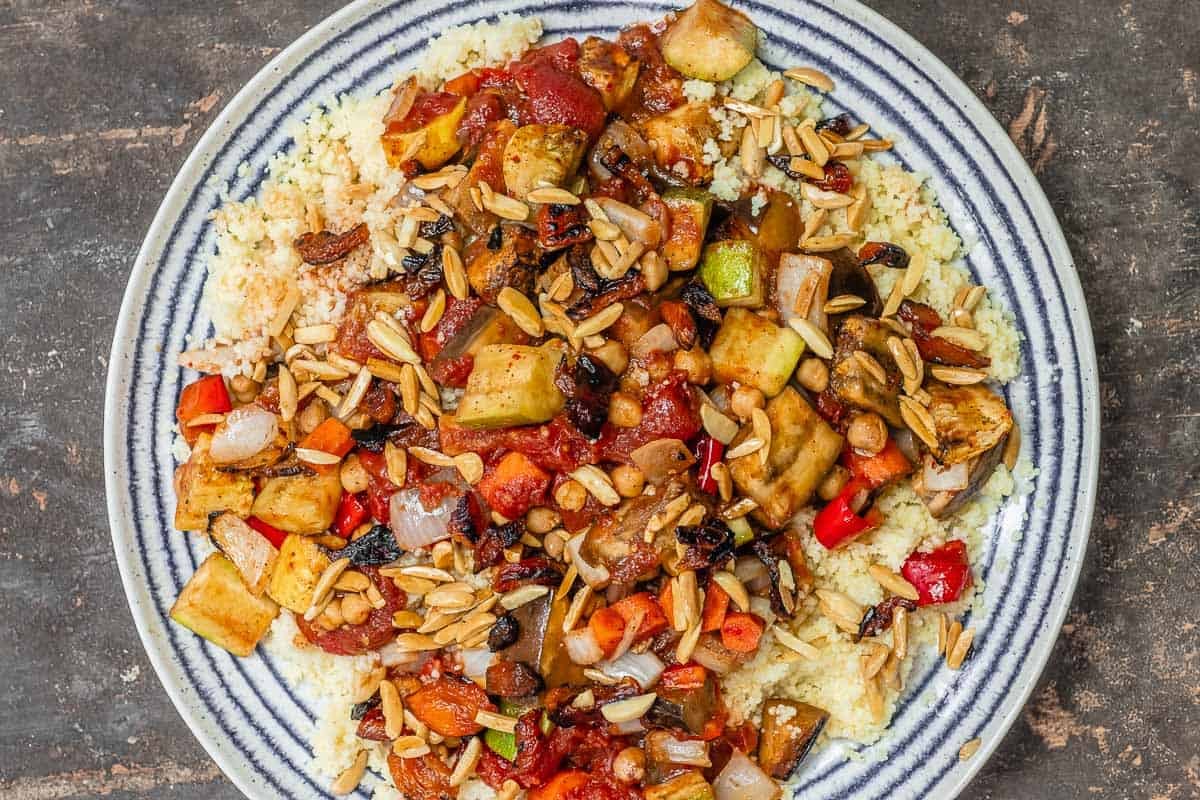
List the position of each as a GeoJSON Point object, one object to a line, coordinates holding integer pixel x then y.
{"type": "Point", "coordinates": [101, 102]}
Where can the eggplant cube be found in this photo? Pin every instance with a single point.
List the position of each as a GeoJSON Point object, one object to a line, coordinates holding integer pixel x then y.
{"type": "Point", "coordinates": [789, 729]}
{"type": "Point", "coordinates": [216, 604]}
{"type": "Point", "coordinates": [304, 504]}
{"type": "Point", "coordinates": [202, 489]}
{"type": "Point", "coordinates": [752, 350]}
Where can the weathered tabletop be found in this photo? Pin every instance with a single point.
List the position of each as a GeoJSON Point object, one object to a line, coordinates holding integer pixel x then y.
{"type": "Point", "coordinates": [101, 102]}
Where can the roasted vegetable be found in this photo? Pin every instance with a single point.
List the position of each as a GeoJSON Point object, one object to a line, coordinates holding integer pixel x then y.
{"type": "Point", "coordinates": [511, 385]}
{"type": "Point", "coordinates": [755, 351]}
{"type": "Point", "coordinates": [677, 139]}
{"type": "Point", "coordinates": [299, 566]}
{"type": "Point", "coordinates": [508, 256]}
{"type": "Point", "coordinates": [710, 41]}
{"type": "Point", "coordinates": [303, 504]}
{"type": "Point", "coordinates": [802, 449]}
{"type": "Point", "coordinates": [540, 642]}
{"type": "Point", "coordinates": [970, 421]}
{"type": "Point", "coordinates": [979, 469]}
{"type": "Point", "coordinates": [376, 546]}
{"type": "Point", "coordinates": [487, 326]}
{"type": "Point", "coordinates": [202, 489]}
{"type": "Point", "coordinates": [732, 271]}
{"type": "Point", "coordinates": [688, 786]}
{"type": "Point", "coordinates": [802, 287]}
{"type": "Point", "coordinates": [216, 604]}
{"type": "Point", "coordinates": [542, 155]}
{"type": "Point", "coordinates": [691, 209]}
{"type": "Point", "coordinates": [607, 68]}
{"type": "Point", "coordinates": [248, 549]}
{"type": "Point", "coordinates": [850, 276]}
{"type": "Point", "coordinates": [789, 730]}
{"type": "Point", "coordinates": [434, 143]}
{"type": "Point", "coordinates": [854, 384]}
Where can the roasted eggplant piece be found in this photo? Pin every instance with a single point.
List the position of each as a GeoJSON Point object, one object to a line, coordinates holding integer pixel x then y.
{"type": "Point", "coordinates": [607, 68]}
{"type": "Point", "coordinates": [201, 489]}
{"type": "Point", "coordinates": [513, 262]}
{"type": "Point", "coordinates": [688, 710]}
{"type": "Point", "coordinates": [946, 503]}
{"type": "Point", "coordinates": [803, 447]}
{"type": "Point", "coordinates": [789, 730]}
{"type": "Point", "coordinates": [542, 155]}
{"type": "Point", "coordinates": [970, 420]}
{"type": "Point", "coordinates": [540, 642]}
{"type": "Point", "coordinates": [305, 504]}
{"type": "Point", "coordinates": [853, 383]}
{"type": "Point", "coordinates": [677, 139]}
{"type": "Point", "coordinates": [688, 786]}
{"type": "Point", "coordinates": [849, 276]}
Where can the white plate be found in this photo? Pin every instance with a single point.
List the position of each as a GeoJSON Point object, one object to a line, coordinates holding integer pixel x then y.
{"type": "Point", "coordinates": [257, 729]}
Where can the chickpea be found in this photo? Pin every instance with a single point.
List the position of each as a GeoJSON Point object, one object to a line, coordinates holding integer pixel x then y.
{"type": "Point", "coordinates": [541, 520]}
{"type": "Point", "coordinates": [244, 388]}
{"type": "Point", "coordinates": [331, 618]}
{"type": "Point", "coordinates": [628, 480]}
{"type": "Point", "coordinates": [624, 411]}
{"type": "Point", "coordinates": [554, 544]}
{"type": "Point", "coordinates": [312, 415]}
{"type": "Point", "coordinates": [867, 433]}
{"type": "Point", "coordinates": [355, 609]}
{"type": "Point", "coordinates": [696, 363]}
{"type": "Point", "coordinates": [658, 365]}
{"type": "Point", "coordinates": [629, 765]}
{"type": "Point", "coordinates": [570, 495]}
{"type": "Point", "coordinates": [612, 353]}
{"type": "Point", "coordinates": [833, 483]}
{"type": "Point", "coordinates": [813, 375]}
{"type": "Point", "coordinates": [354, 475]}
{"type": "Point", "coordinates": [745, 399]}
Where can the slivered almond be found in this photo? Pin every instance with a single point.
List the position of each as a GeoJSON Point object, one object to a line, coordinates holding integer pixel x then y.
{"type": "Point", "coordinates": [599, 321]}
{"type": "Point", "coordinates": [522, 595]}
{"type": "Point", "coordinates": [717, 425]}
{"type": "Point", "coordinates": [810, 77]}
{"type": "Point", "coordinates": [959, 376]}
{"type": "Point", "coordinates": [749, 445]}
{"type": "Point", "coordinates": [519, 308]}
{"type": "Point", "coordinates": [552, 194]}
{"type": "Point", "coordinates": [629, 709]}
{"type": "Point", "coordinates": [795, 643]}
{"type": "Point", "coordinates": [470, 466]}
{"type": "Point", "coordinates": [919, 421]}
{"type": "Point", "coordinates": [454, 273]}
{"type": "Point", "coordinates": [349, 778]}
{"type": "Point", "coordinates": [467, 761]}
{"type": "Point", "coordinates": [433, 313]}
{"type": "Point", "coordinates": [822, 198]}
{"type": "Point", "coordinates": [393, 345]}
{"type": "Point", "coordinates": [814, 145]}
{"type": "Point", "coordinates": [734, 588]}
{"type": "Point", "coordinates": [961, 648]}
{"type": "Point", "coordinates": [431, 457]}
{"type": "Point", "coordinates": [914, 273]}
{"type": "Point", "coordinates": [826, 244]}
{"type": "Point", "coordinates": [813, 336]}
{"type": "Point", "coordinates": [505, 207]}
{"type": "Point", "coordinates": [843, 303]}
{"type": "Point", "coordinates": [894, 583]}
{"type": "Point", "coordinates": [318, 457]}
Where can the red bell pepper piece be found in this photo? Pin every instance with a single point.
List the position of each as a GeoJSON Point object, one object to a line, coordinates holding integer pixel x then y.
{"type": "Point", "coordinates": [272, 534]}
{"type": "Point", "coordinates": [205, 396]}
{"type": "Point", "coordinates": [888, 465]}
{"type": "Point", "coordinates": [837, 523]}
{"type": "Point", "coordinates": [351, 513]}
{"type": "Point", "coordinates": [708, 454]}
{"type": "Point", "coordinates": [941, 575]}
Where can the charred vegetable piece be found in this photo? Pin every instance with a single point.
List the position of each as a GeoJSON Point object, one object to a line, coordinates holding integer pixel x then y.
{"type": "Point", "coordinates": [924, 320]}
{"type": "Point", "coordinates": [542, 155]}
{"type": "Point", "coordinates": [691, 209]}
{"type": "Point", "coordinates": [688, 786]}
{"type": "Point", "coordinates": [588, 385]}
{"type": "Point", "coordinates": [513, 261]}
{"type": "Point", "coordinates": [802, 287]}
{"type": "Point", "coordinates": [755, 351]}
{"type": "Point", "coordinates": [709, 544]}
{"type": "Point", "coordinates": [677, 138]}
{"type": "Point", "coordinates": [511, 385]}
{"type": "Point", "coordinates": [425, 777]}
{"type": "Point", "coordinates": [299, 566]}
{"type": "Point", "coordinates": [305, 504]}
{"type": "Point", "coordinates": [854, 384]}
{"type": "Point", "coordinates": [248, 549]}
{"type": "Point", "coordinates": [732, 271]}
{"type": "Point", "coordinates": [941, 575]}
{"type": "Point", "coordinates": [607, 68]}
{"type": "Point", "coordinates": [970, 420]}
{"type": "Point", "coordinates": [710, 41]}
{"type": "Point", "coordinates": [216, 605]}
{"type": "Point", "coordinates": [541, 641]}
{"type": "Point", "coordinates": [561, 226]}
{"type": "Point", "coordinates": [788, 732]}
{"type": "Point", "coordinates": [512, 679]}
{"type": "Point", "coordinates": [377, 546]}
{"type": "Point", "coordinates": [436, 142]}
{"type": "Point", "coordinates": [886, 253]}
{"type": "Point", "coordinates": [803, 447]}
{"type": "Point", "coordinates": [879, 617]}
{"type": "Point", "coordinates": [202, 489]}
{"type": "Point", "coordinates": [326, 247]}
{"type": "Point", "coordinates": [689, 708]}
{"type": "Point", "coordinates": [849, 276]}
{"type": "Point", "coordinates": [981, 468]}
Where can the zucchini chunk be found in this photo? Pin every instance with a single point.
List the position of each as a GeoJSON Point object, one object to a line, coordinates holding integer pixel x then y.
{"type": "Point", "coordinates": [440, 140]}
{"type": "Point", "coordinates": [299, 566]}
{"type": "Point", "coordinates": [789, 730]}
{"type": "Point", "coordinates": [511, 384]}
{"type": "Point", "coordinates": [710, 41]}
{"type": "Point", "coordinates": [691, 209]}
{"type": "Point", "coordinates": [732, 271]}
{"type": "Point", "coordinates": [201, 489]}
{"type": "Point", "coordinates": [803, 449]}
{"type": "Point", "coordinates": [304, 504]}
{"type": "Point", "coordinates": [248, 549]}
{"type": "Point", "coordinates": [541, 155]}
{"type": "Point", "coordinates": [688, 786]}
{"type": "Point", "coordinates": [756, 351]}
{"type": "Point", "coordinates": [216, 605]}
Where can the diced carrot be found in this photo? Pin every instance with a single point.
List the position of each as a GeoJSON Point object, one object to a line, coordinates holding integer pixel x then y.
{"type": "Point", "coordinates": [331, 436]}
{"type": "Point", "coordinates": [608, 626]}
{"type": "Point", "coordinates": [889, 464]}
{"type": "Point", "coordinates": [464, 85]}
{"type": "Point", "coordinates": [449, 706]}
{"type": "Point", "coordinates": [560, 785]}
{"type": "Point", "coordinates": [653, 621]}
{"type": "Point", "coordinates": [741, 632]}
{"type": "Point", "coordinates": [716, 606]}
{"type": "Point", "coordinates": [666, 599]}
{"type": "Point", "coordinates": [514, 485]}
{"type": "Point", "coordinates": [683, 678]}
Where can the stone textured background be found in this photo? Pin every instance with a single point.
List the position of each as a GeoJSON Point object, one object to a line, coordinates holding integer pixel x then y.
{"type": "Point", "coordinates": [101, 102]}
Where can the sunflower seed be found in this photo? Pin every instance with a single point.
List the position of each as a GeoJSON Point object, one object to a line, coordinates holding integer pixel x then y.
{"type": "Point", "coordinates": [813, 336]}
{"type": "Point", "coordinates": [629, 709]}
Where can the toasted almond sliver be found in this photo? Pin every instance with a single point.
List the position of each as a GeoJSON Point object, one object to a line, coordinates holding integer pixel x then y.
{"type": "Point", "coordinates": [522, 595]}
{"type": "Point", "coordinates": [840, 609]}
{"type": "Point", "coordinates": [629, 709]}
{"type": "Point", "coordinates": [431, 457]}
{"type": "Point", "coordinates": [717, 425]}
{"type": "Point", "coordinates": [969, 749]}
{"type": "Point", "coordinates": [843, 303]}
{"type": "Point", "coordinates": [810, 77]}
{"type": "Point", "coordinates": [318, 457]}
{"type": "Point", "coordinates": [433, 313]}
{"type": "Point", "coordinates": [599, 321]}
{"type": "Point", "coordinates": [315, 334]}
{"type": "Point", "coordinates": [823, 198]}
{"type": "Point", "coordinates": [496, 722]}
{"type": "Point", "coordinates": [575, 610]}
{"type": "Point", "coordinates": [914, 273]}
{"type": "Point", "coordinates": [962, 646]}
{"type": "Point", "coordinates": [349, 779]}
{"type": "Point", "coordinates": [795, 643]}
{"type": "Point", "coordinates": [415, 642]}
{"type": "Point", "coordinates": [749, 445]}
{"type": "Point", "coordinates": [687, 644]}
{"type": "Point", "coordinates": [813, 336]}
{"type": "Point", "coordinates": [734, 588]}
{"type": "Point", "coordinates": [410, 747]}
{"type": "Point", "coordinates": [354, 396]}
{"type": "Point", "coordinates": [518, 307]}
{"type": "Point", "coordinates": [919, 421]}
{"type": "Point", "coordinates": [504, 206]}
{"type": "Point", "coordinates": [391, 342]}
{"type": "Point", "coordinates": [943, 634]}
{"type": "Point", "coordinates": [552, 194]}
{"type": "Point", "coordinates": [393, 709]}
{"type": "Point", "coordinates": [959, 376]}
{"type": "Point", "coordinates": [894, 583]}
{"type": "Point", "coordinates": [324, 586]}
{"type": "Point", "coordinates": [871, 366]}
{"type": "Point", "coordinates": [814, 145]}
{"type": "Point", "coordinates": [467, 760]}
{"type": "Point", "coordinates": [598, 484]}
{"type": "Point", "coordinates": [900, 632]}
{"type": "Point", "coordinates": [470, 466]}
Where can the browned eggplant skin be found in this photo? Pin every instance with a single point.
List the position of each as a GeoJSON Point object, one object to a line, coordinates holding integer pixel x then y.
{"type": "Point", "coordinates": [789, 730]}
{"type": "Point", "coordinates": [981, 470]}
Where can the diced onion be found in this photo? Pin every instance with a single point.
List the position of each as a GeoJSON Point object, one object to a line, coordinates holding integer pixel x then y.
{"type": "Point", "coordinates": [582, 647]}
{"type": "Point", "coordinates": [244, 433]}
{"type": "Point", "coordinates": [753, 573]}
{"type": "Point", "coordinates": [805, 275]}
{"type": "Point", "coordinates": [663, 748]}
{"type": "Point", "coordinates": [659, 339]}
{"type": "Point", "coordinates": [621, 134]}
{"type": "Point", "coordinates": [950, 479]}
{"type": "Point", "coordinates": [662, 458]}
{"type": "Point", "coordinates": [594, 576]}
{"type": "Point", "coordinates": [475, 662]}
{"type": "Point", "coordinates": [392, 656]}
{"type": "Point", "coordinates": [629, 727]}
{"type": "Point", "coordinates": [413, 526]}
{"type": "Point", "coordinates": [742, 778]}
{"type": "Point", "coordinates": [637, 225]}
{"type": "Point", "coordinates": [645, 668]}
{"type": "Point", "coordinates": [761, 608]}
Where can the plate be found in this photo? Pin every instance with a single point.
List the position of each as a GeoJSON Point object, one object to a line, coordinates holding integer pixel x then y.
{"type": "Point", "coordinates": [257, 729]}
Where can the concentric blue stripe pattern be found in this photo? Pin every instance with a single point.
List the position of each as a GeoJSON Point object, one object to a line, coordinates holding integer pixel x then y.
{"type": "Point", "coordinates": [257, 728]}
